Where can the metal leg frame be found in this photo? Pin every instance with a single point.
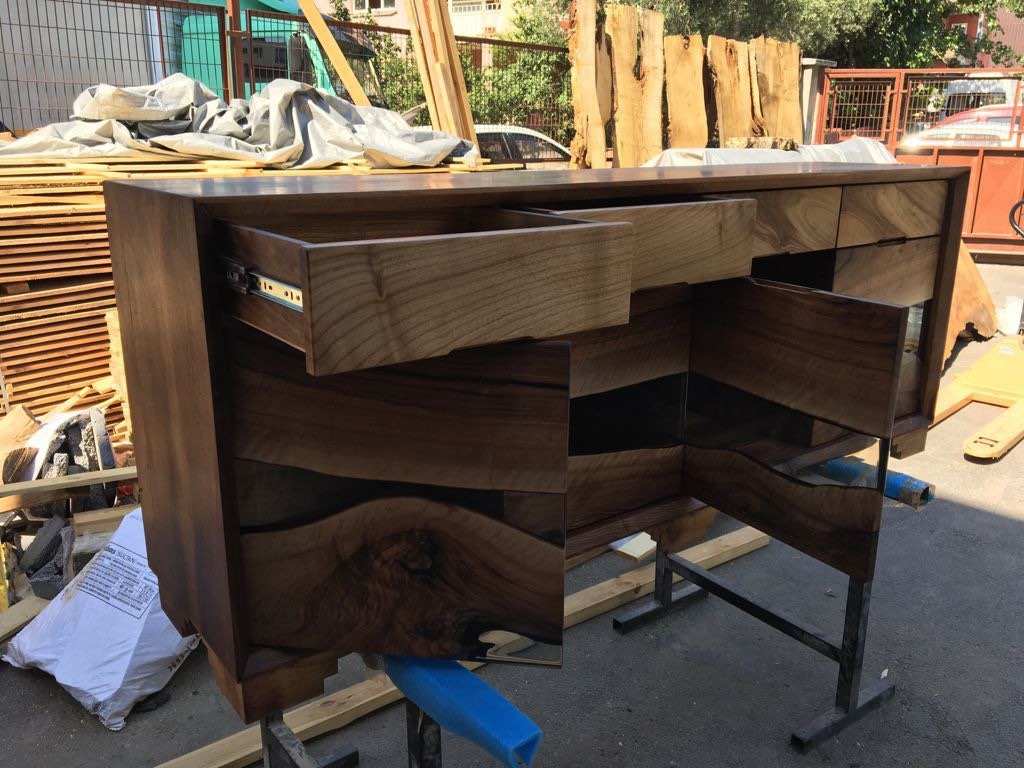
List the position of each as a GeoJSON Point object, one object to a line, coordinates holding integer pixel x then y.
{"type": "Point", "coordinates": [283, 749]}
{"type": "Point", "coordinates": [852, 702]}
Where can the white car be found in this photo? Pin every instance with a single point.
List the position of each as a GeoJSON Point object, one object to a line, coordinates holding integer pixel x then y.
{"type": "Point", "coordinates": [513, 144]}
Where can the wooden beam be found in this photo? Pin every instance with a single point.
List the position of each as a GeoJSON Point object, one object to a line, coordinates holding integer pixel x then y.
{"type": "Point", "coordinates": [337, 710]}
{"type": "Point", "coordinates": [32, 492]}
{"type": "Point", "coordinates": [588, 143]}
{"type": "Point", "coordinates": [637, 107]}
{"type": "Point", "coordinates": [775, 79]}
{"type": "Point", "coordinates": [684, 90]}
{"type": "Point", "coordinates": [729, 63]}
{"type": "Point", "coordinates": [334, 54]}
{"type": "Point", "coordinates": [14, 619]}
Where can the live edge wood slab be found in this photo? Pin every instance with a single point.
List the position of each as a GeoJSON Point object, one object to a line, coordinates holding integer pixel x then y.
{"type": "Point", "coordinates": [377, 413]}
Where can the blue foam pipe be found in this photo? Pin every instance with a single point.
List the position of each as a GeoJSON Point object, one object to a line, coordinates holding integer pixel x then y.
{"type": "Point", "coordinates": [464, 704]}
{"type": "Point", "coordinates": [898, 486]}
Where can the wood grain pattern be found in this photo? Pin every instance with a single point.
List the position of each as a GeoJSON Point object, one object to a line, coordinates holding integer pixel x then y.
{"type": "Point", "coordinates": [378, 303]}
{"type": "Point", "coordinates": [603, 532]}
{"type": "Point", "coordinates": [495, 417]}
{"type": "Point", "coordinates": [778, 86]}
{"type": "Point", "coordinates": [729, 63]}
{"type": "Point", "coordinates": [636, 112]}
{"type": "Point", "coordinates": [166, 300]}
{"type": "Point", "coordinates": [684, 242]}
{"type": "Point", "coordinates": [829, 356]}
{"type": "Point", "coordinates": [588, 142]}
{"type": "Point", "coordinates": [837, 525]}
{"type": "Point", "coordinates": [274, 679]}
{"type": "Point", "coordinates": [900, 273]}
{"type": "Point", "coordinates": [401, 576]}
{"type": "Point", "coordinates": [604, 484]}
{"type": "Point", "coordinates": [684, 91]}
{"type": "Point", "coordinates": [655, 343]}
{"type": "Point", "coordinates": [874, 212]}
{"type": "Point", "coordinates": [795, 220]}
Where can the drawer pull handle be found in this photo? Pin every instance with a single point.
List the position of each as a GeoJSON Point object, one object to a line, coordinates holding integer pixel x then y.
{"type": "Point", "coordinates": [244, 280]}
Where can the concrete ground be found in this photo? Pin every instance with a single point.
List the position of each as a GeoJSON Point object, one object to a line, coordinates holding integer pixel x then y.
{"type": "Point", "coordinates": [708, 686]}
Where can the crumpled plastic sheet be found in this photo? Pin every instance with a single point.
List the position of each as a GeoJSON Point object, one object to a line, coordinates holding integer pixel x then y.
{"type": "Point", "coordinates": [286, 125]}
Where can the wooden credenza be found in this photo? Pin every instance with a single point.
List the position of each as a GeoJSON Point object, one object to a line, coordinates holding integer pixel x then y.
{"type": "Point", "coordinates": [374, 414]}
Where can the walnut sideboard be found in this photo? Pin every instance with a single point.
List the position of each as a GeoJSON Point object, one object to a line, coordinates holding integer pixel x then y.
{"type": "Point", "coordinates": [375, 413]}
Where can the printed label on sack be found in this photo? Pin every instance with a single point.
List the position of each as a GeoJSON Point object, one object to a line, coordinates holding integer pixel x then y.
{"type": "Point", "coordinates": [121, 579]}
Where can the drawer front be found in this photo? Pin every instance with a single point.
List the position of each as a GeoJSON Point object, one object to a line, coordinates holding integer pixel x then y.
{"type": "Point", "coordinates": [655, 343]}
{"type": "Point", "coordinates": [376, 304]}
{"type": "Point", "coordinates": [899, 272]}
{"type": "Point", "coordinates": [794, 220]}
{"type": "Point", "coordinates": [370, 303]}
{"type": "Point", "coordinates": [875, 212]}
{"type": "Point", "coordinates": [684, 242]}
{"type": "Point", "coordinates": [605, 484]}
{"type": "Point", "coordinates": [495, 418]}
{"type": "Point", "coordinates": [833, 357]}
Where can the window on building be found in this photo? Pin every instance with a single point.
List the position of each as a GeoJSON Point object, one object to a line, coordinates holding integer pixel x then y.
{"type": "Point", "coordinates": [362, 6]}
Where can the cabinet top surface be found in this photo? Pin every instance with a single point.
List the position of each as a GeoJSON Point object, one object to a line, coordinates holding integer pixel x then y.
{"type": "Point", "coordinates": [482, 188]}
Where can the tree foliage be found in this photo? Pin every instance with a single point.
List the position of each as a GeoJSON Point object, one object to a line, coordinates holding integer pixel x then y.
{"type": "Point", "coordinates": [856, 33]}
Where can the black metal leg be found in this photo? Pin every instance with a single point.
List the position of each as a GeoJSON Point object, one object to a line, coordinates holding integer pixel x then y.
{"type": "Point", "coordinates": [852, 703]}
{"type": "Point", "coordinates": [424, 736]}
{"type": "Point", "coordinates": [283, 749]}
{"type": "Point", "coordinates": [667, 597]}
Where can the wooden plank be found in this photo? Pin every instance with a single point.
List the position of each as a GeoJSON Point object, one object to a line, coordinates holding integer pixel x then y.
{"type": "Point", "coordinates": [28, 489]}
{"type": "Point", "coordinates": [399, 576]}
{"type": "Point", "coordinates": [838, 525]}
{"type": "Point", "coordinates": [15, 618]}
{"type": "Point", "coordinates": [604, 484]}
{"type": "Point", "coordinates": [729, 63]}
{"type": "Point", "coordinates": [829, 356]}
{"type": "Point", "coordinates": [637, 100]}
{"type": "Point", "coordinates": [778, 87]}
{"type": "Point", "coordinates": [684, 242]}
{"type": "Point", "coordinates": [795, 220]}
{"type": "Point", "coordinates": [334, 54]}
{"type": "Point", "coordinates": [490, 418]}
{"type": "Point", "coordinates": [900, 272]}
{"type": "Point", "coordinates": [875, 212]}
{"type": "Point", "coordinates": [337, 710]}
{"type": "Point", "coordinates": [972, 306]}
{"type": "Point", "coordinates": [684, 90]}
{"type": "Point", "coordinates": [588, 145]}
{"type": "Point", "coordinates": [496, 286]}
{"type": "Point", "coordinates": [100, 520]}
{"type": "Point", "coordinates": [655, 343]}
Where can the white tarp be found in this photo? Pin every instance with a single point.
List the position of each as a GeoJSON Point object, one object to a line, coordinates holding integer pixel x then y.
{"type": "Point", "coordinates": [286, 125]}
{"type": "Point", "coordinates": [855, 150]}
{"type": "Point", "coordinates": [104, 637]}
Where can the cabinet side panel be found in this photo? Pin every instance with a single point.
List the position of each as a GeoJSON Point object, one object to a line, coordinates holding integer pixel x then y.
{"type": "Point", "coordinates": [165, 307]}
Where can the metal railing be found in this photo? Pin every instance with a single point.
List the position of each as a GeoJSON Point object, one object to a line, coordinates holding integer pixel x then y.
{"type": "Point", "coordinates": [52, 50]}
{"type": "Point", "coordinates": [910, 108]}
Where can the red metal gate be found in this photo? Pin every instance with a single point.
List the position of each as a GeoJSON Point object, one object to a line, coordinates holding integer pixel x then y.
{"type": "Point", "coordinates": [962, 117]}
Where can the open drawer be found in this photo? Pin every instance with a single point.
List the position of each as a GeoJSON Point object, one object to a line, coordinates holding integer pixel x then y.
{"type": "Point", "coordinates": [377, 290]}
{"type": "Point", "coordinates": [679, 242]}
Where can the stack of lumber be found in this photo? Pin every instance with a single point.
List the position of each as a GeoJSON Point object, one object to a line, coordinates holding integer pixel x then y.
{"type": "Point", "coordinates": [55, 279]}
{"type": "Point", "coordinates": [754, 98]}
{"type": "Point", "coordinates": [437, 57]}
